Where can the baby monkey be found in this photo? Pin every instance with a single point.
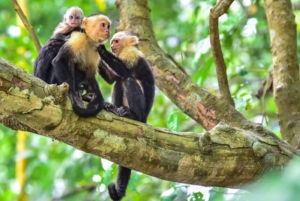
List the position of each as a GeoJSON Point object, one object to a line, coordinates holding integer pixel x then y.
{"type": "Point", "coordinates": [72, 21]}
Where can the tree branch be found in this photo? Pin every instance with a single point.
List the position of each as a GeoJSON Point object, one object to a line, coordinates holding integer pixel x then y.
{"type": "Point", "coordinates": [215, 13]}
{"type": "Point", "coordinates": [224, 156]}
{"type": "Point", "coordinates": [27, 24]}
{"type": "Point", "coordinates": [205, 108]}
{"type": "Point", "coordinates": [283, 37]}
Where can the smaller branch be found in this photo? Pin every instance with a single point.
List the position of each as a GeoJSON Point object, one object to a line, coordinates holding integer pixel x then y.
{"type": "Point", "coordinates": [27, 24]}
{"type": "Point", "coordinates": [221, 7]}
{"type": "Point", "coordinates": [176, 63]}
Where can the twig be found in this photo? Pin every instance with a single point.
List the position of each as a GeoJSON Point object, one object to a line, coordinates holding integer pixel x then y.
{"type": "Point", "coordinates": [218, 10]}
{"type": "Point", "coordinates": [75, 191]}
{"type": "Point", "coordinates": [27, 24]}
{"type": "Point", "coordinates": [176, 63]}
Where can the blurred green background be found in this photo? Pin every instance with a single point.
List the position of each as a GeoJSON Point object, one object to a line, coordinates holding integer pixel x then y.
{"type": "Point", "coordinates": [52, 170]}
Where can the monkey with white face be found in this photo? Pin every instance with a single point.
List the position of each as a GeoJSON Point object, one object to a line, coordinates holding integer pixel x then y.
{"type": "Point", "coordinates": [76, 62]}
{"type": "Point", "coordinates": [133, 92]}
{"type": "Point", "coordinates": [72, 21]}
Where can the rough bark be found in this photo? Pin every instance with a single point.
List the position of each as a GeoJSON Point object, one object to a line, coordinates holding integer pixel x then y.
{"type": "Point", "coordinates": [224, 156]}
{"type": "Point", "coordinates": [205, 108]}
{"type": "Point", "coordinates": [215, 13]}
{"type": "Point", "coordinates": [234, 151]}
{"type": "Point", "coordinates": [283, 37]}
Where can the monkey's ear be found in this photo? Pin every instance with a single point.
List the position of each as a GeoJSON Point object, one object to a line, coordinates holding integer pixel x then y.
{"type": "Point", "coordinates": [84, 22]}
{"type": "Point", "coordinates": [134, 40]}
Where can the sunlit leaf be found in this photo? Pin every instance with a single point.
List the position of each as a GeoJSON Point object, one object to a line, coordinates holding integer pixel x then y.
{"type": "Point", "coordinates": [173, 122]}
{"type": "Point", "coordinates": [168, 195]}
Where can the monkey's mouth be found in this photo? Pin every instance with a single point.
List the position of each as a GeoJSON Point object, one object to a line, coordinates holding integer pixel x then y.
{"type": "Point", "coordinates": [113, 50]}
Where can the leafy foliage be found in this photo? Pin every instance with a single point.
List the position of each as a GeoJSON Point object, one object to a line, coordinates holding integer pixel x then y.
{"type": "Point", "coordinates": [182, 30]}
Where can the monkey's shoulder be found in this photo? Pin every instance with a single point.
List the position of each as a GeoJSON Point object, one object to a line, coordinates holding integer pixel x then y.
{"type": "Point", "coordinates": [77, 41]}
{"type": "Point", "coordinates": [130, 55]}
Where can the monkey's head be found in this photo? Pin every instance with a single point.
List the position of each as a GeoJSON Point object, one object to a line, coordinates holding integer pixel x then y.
{"type": "Point", "coordinates": [121, 40]}
{"type": "Point", "coordinates": [73, 16]}
{"type": "Point", "coordinates": [97, 27]}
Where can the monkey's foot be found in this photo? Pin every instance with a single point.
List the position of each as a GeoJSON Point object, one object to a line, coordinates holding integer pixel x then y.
{"type": "Point", "coordinates": [111, 108]}
{"type": "Point", "coordinates": [125, 112]}
{"type": "Point", "coordinates": [113, 193]}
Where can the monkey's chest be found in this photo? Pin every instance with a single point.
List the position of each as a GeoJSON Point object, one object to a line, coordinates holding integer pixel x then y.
{"type": "Point", "coordinates": [88, 61]}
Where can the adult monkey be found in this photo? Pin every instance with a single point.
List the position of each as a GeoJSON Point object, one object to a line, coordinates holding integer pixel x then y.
{"type": "Point", "coordinates": [133, 91]}
{"type": "Point", "coordinates": [76, 61]}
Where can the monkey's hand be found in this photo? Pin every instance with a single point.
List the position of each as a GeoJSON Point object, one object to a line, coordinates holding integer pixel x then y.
{"type": "Point", "coordinates": [111, 108]}
{"type": "Point", "coordinates": [101, 49]}
{"type": "Point", "coordinates": [124, 111]}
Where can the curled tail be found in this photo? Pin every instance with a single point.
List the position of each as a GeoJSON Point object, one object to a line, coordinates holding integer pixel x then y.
{"type": "Point", "coordinates": [92, 109]}
{"type": "Point", "coordinates": [118, 190]}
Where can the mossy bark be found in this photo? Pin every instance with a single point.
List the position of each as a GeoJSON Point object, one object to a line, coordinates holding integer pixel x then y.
{"type": "Point", "coordinates": [224, 156]}
{"type": "Point", "coordinates": [283, 36]}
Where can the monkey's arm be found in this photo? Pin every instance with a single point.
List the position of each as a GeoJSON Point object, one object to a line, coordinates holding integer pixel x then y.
{"type": "Point", "coordinates": [106, 72]}
{"type": "Point", "coordinates": [114, 63]}
{"type": "Point", "coordinates": [43, 63]}
{"type": "Point", "coordinates": [64, 68]}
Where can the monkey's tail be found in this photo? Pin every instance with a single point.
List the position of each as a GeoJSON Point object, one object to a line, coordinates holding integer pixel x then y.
{"type": "Point", "coordinates": [118, 190]}
{"type": "Point", "coordinates": [92, 109]}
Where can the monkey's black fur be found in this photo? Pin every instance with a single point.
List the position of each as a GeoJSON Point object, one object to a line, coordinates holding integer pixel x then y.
{"type": "Point", "coordinates": [54, 65]}
{"type": "Point", "coordinates": [137, 85]}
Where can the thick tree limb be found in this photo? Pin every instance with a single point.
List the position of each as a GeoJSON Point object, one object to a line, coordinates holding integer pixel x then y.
{"type": "Point", "coordinates": [283, 37]}
{"type": "Point", "coordinates": [216, 12]}
{"type": "Point", "coordinates": [224, 156]}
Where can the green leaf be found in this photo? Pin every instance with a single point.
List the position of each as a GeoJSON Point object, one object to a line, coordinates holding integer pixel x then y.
{"type": "Point", "coordinates": [216, 194]}
{"type": "Point", "coordinates": [173, 122]}
{"type": "Point", "coordinates": [204, 72]}
{"type": "Point", "coordinates": [168, 195]}
{"type": "Point", "coordinates": [198, 196]}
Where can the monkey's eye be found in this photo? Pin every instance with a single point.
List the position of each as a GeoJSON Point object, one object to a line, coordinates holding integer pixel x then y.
{"type": "Point", "coordinates": [71, 17]}
{"type": "Point", "coordinates": [108, 26]}
{"type": "Point", "coordinates": [103, 24]}
{"type": "Point", "coordinates": [77, 17]}
{"type": "Point", "coordinates": [116, 41]}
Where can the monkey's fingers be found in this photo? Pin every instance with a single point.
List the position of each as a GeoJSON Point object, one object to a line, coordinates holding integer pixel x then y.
{"type": "Point", "coordinates": [126, 112]}
{"type": "Point", "coordinates": [111, 108]}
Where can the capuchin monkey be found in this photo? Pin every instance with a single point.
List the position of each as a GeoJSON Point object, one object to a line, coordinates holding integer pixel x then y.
{"type": "Point", "coordinates": [75, 61]}
{"type": "Point", "coordinates": [72, 21]}
{"type": "Point", "coordinates": [133, 92]}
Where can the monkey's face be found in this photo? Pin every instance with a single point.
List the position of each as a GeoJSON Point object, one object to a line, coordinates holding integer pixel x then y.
{"type": "Point", "coordinates": [117, 44]}
{"type": "Point", "coordinates": [104, 28]}
{"type": "Point", "coordinates": [97, 28]}
{"type": "Point", "coordinates": [120, 41]}
{"type": "Point", "coordinates": [74, 19]}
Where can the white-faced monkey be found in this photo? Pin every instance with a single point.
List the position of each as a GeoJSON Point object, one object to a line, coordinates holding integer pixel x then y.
{"type": "Point", "coordinates": [72, 21]}
{"type": "Point", "coordinates": [76, 63]}
{"type": "Point", "coordinates": [133, 91]}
